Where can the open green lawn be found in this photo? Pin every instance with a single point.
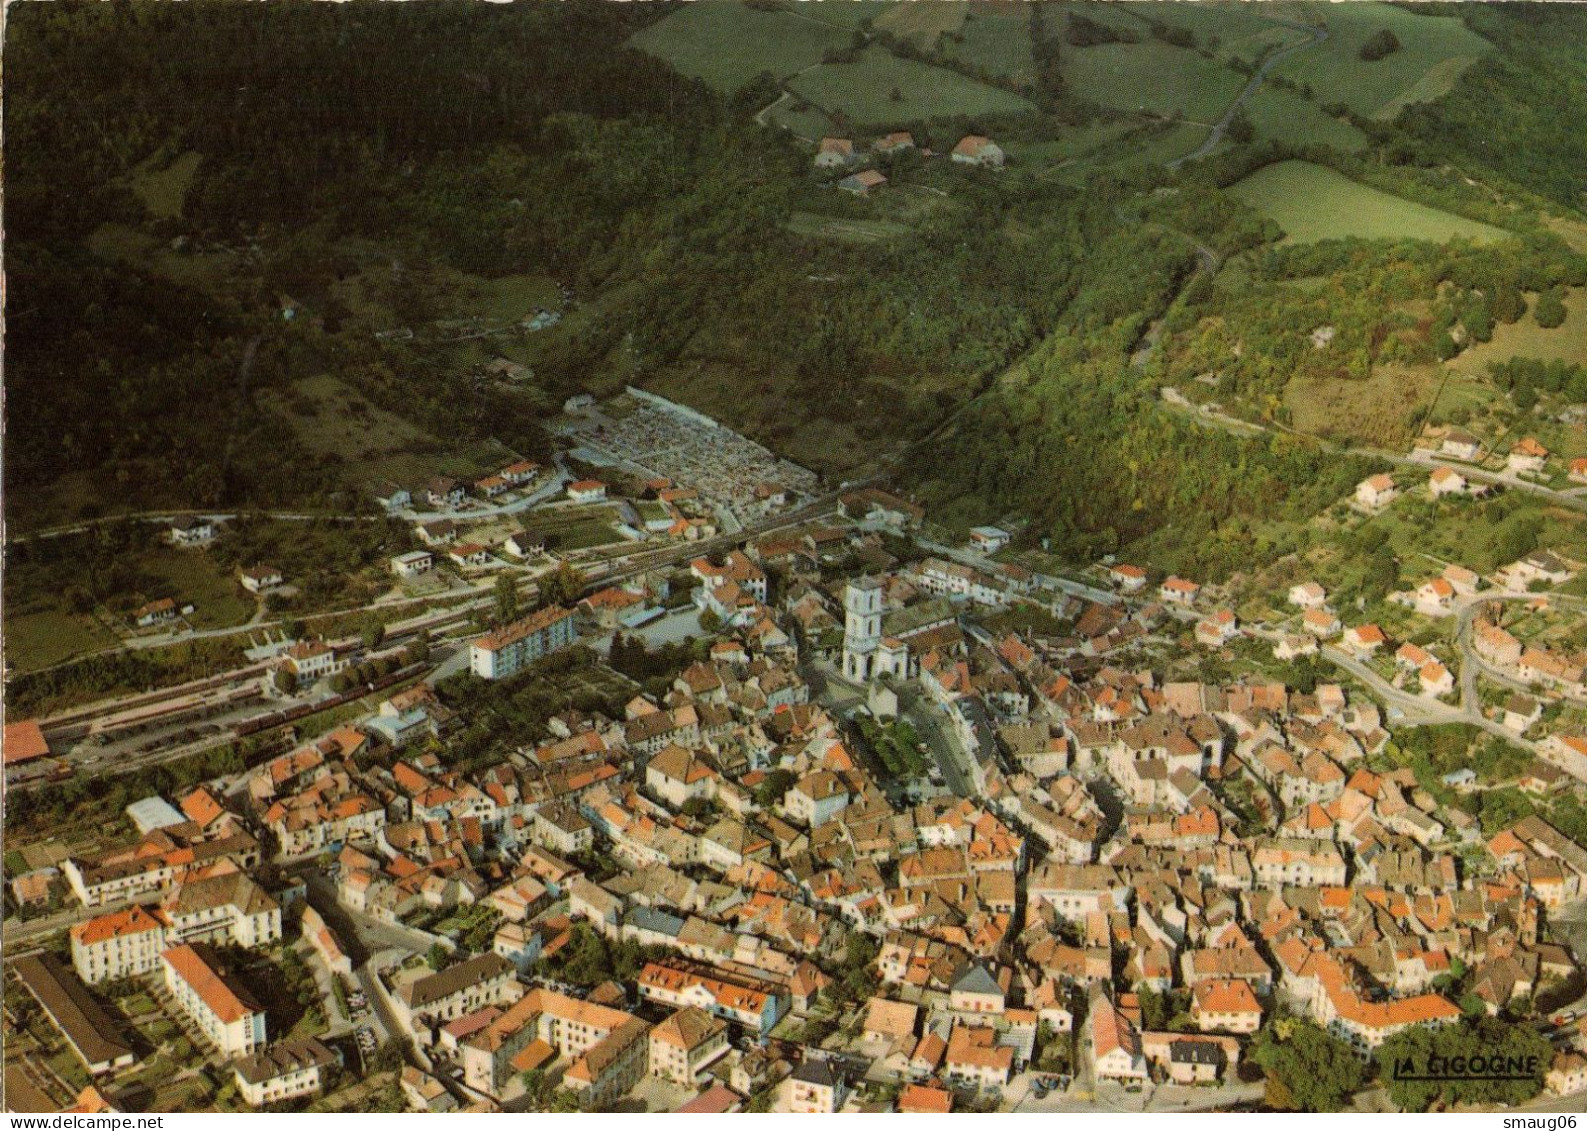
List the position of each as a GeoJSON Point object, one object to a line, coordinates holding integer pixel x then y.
{"type": "Point", "coordinates": [329, 416]}
{"type": "Point", "coordinates": [727, 44]}
{"type": "Point", "coordinates": [921, 24]}
{"type": "Point", "coordinates": [513, 296]}
{"type": "Point", "coordinates": [193, 578]}
{"type": "Point", "coordinates": [208, 272]}
{"type": "Point", "coordinates": [844, 229]}
{"type": "Point", "coordinates": [1153, 77]}
{"type": "Point", "coordinates": [1527, 339]}
{"type": "Point", "coordinates": [1312, 203]}
{"type": "Point", "coordinates": [808, 122]}
{"type": "Point", "coordinates": [997, 38]}
{"type": "Point", "coordinates": [1283, 115]}
{"type": "Point", "coordinates": [39, 639]}
{"type": "Point", "coordinates": [1433, 52]}
{"type": "Point", "coordinates": [161, 185]}
{"type": "Point", "coordinates": [1075, 142]}
{"type": "Point", "coordinates": [1239, 30]}
{"type": "Point", "coordinates": [863, 90]}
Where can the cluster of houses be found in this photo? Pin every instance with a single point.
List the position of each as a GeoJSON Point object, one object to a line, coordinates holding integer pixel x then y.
{"type": "Point", "coordinates": [441, 492]}
{"type": "Point", "coordinates": [1242, 847]}
{"type": "Point", "coordinates": [839, 154]}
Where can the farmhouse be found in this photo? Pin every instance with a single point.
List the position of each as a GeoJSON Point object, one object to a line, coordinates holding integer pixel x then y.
{"type": "Point", "coordinates": [1460, 445]}
{"type": "Point", "coordinates": [438, 533]}
{"type": "Point", "coordinates": [1378, 491]}
{"type": "Point", "coordinates": [587, 491]}
{"type": "Point", "coordinates": [443, 492]}
{"type": "Point", "coordinates": [835, 153]}
{"type": "Point", "coordinates": [256, 579]}
{"type": "Point", "coordinates": [1578, 470]}
{"type": "Point", "coordinates": [412, 564]}
{"type": "Point", "coordinates": [468, 554]}
{"type": "Point", "coordinates": [861, 183]}
{"type": "Point", "coordinates": [189, 531]}
{"type": "Point", "coordinates": [526, 543]}
{"type": "Point", "coordinates": [521, 472]}
{"type": "Point", "coordinates": [1527, 456]}
{"type": "Point", "coordinates": [989, 539]}
{"type": "Point", "coordinates": [392, 496]}
{"type": "Point", "coordinates": [156, 612]}
{"type": "Point", "coordinates": [1320, 622]}
{"type": "Point", "coordinates": [1129, 578]}
{"type": "Point", "coordinates": [894, 143]}
{"type": "Point", "coordinates": [1364, 639]}
{"type": "Point", "coordinates": [977, 150]}
{"type": "Point", "coordinates": [1445, 481]}
{"type": "Point", "coordinates": [1178, 591]}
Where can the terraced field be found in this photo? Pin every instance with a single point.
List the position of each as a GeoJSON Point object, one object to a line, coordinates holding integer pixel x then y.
{"type": "Point", "coordinates": [1313, 203]}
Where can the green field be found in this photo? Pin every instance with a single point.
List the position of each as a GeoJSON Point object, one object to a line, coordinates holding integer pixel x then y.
{"type": "Point", "coordinates": [809, 122]}
{"type": "Point", "coordinates": [328, 416]}
{"type": "Point", "coordinates": [1152, 77]}
{"type": "Point", "coordinates": [996, 38]}
{"type": "Point", "coordinates": [844, 229]}
{"type": "Point", "coordinates": [1239, 29]}
{"type": "Point", "coordinates": [1527, 339]}
{"type": "Point", "coordinates": [863, 90]}
{"type": "Point", "coordinates": [1285, 116]}
{"type": "Point", "coordinates": [1312, 203]}
{"type": "Point", "coordinates": [513, 296]}
{"type": "Point", "coordinates": [921, 24]}
{"type": "Point", "coordinates": [193, 578]}
{"type": "Point", "coordinates": [846, 14]}
{"type": "Point", "coordinates": [727, 45]}
{"type": "Point", "coordinates": [37, 640]}
{"type": "Point", "coordinates": [163, 189]}
{"type": "Point", "coordinates": [208, 272]}
{"type": "Point", "coordinates": [1433, 52]}
{"type": "Point", "coordinates": [1075, 143]}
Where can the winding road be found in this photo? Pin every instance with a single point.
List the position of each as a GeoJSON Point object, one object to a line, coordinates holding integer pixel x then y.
{"type": "Point", "coordinates": [1318, 35]}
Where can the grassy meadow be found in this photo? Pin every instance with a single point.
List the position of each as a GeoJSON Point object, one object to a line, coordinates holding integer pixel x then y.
{"type": "Point", "coordinates": [1313, 203]}
{"type": "Point", "coordinates": [1433, 52]}
{"type": "Point", "coordinates": [865, 91]}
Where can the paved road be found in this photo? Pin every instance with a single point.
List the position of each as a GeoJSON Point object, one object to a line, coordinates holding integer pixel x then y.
{"type": "Point", "coordinates": [1318, 35]}
{"type": "Point", "coordinates": [981, 561]}
{"type": "Point", "coordinates": [942, 739]}
{"type": "Point", "coordinates": [1572, 498]}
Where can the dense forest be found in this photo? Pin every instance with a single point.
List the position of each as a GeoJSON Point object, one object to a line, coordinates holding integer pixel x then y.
{"type": "Point", "coordinates": [529, 139]}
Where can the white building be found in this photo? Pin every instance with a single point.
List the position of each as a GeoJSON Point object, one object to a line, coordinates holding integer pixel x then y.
{"type": "Point", "coordinates": [220, 1007]}
{"type": "Point", "coordinates": [509, 650]}
{"type": "Point", "coordinates": [290, 1069]}
{"type": "Point", "coordinates": [120, 944]}
{"type": "Point", "coordinates": [412, 564]}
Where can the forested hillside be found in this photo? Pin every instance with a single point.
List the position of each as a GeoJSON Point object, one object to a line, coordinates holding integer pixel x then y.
{"type": "Point", "coordinates": [227, 224]}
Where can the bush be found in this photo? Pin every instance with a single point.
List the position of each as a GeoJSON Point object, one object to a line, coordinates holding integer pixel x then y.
{"type": "Point", "coordinates": [1550, 312]}
{"type": "Point", "coordinates": [1380, 45]}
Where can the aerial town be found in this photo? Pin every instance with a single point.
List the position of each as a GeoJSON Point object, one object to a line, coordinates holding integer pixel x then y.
{"type": "Point", "coordinates": [794, 556]}
{"type": "Point", "coordinates": [822, 815]}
